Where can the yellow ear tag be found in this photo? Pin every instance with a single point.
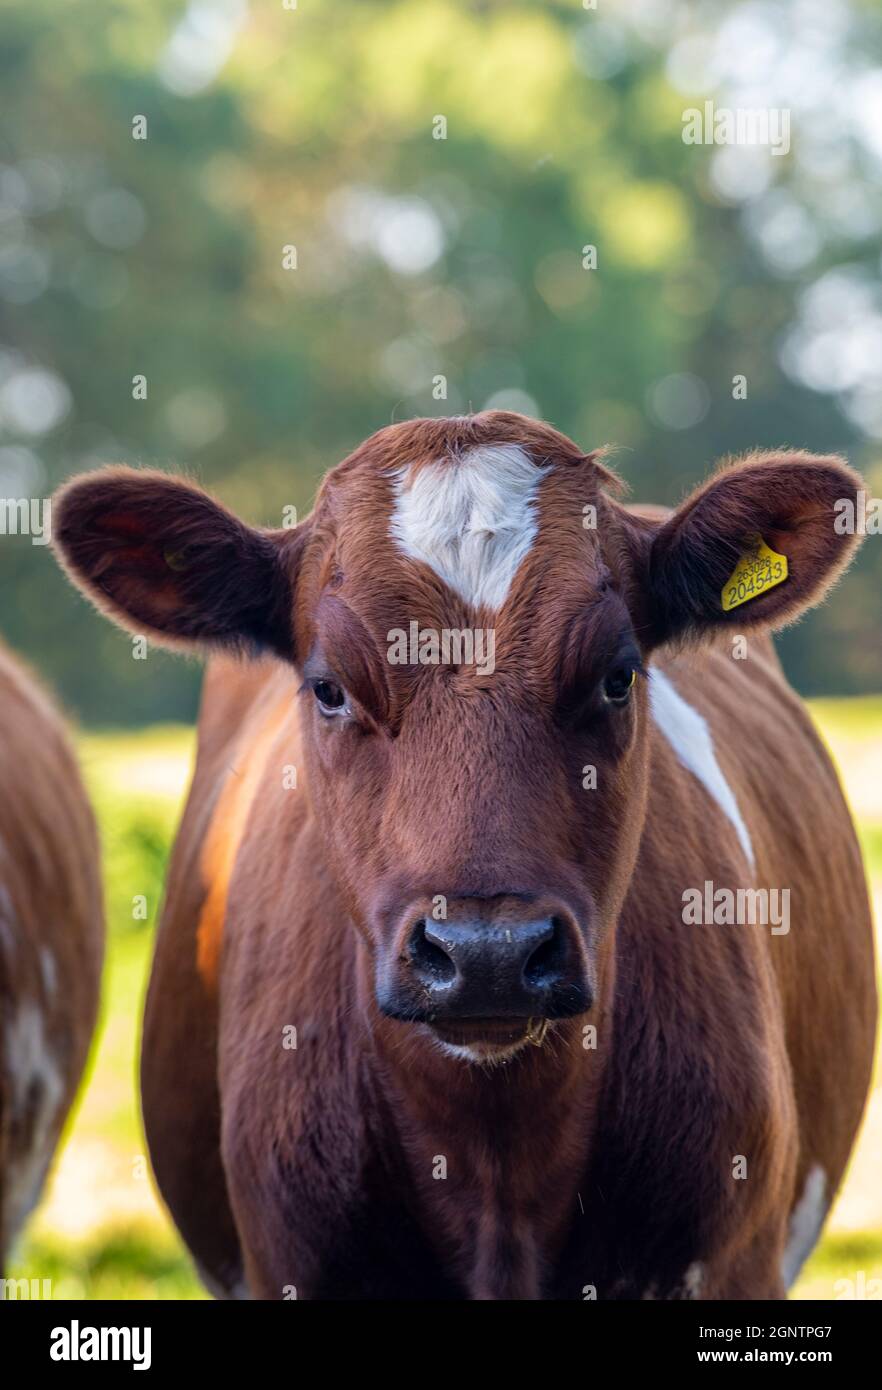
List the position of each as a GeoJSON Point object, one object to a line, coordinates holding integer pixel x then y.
{"type": "Point", "coordinates": [759, 569]}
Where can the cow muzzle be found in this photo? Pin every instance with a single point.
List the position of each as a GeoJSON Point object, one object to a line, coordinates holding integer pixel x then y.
{"type": "Point", "coordinates": [489, 971]}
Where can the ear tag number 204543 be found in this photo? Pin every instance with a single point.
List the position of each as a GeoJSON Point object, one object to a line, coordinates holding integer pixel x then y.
{"type": "Point", "coordinates": [759, 569]}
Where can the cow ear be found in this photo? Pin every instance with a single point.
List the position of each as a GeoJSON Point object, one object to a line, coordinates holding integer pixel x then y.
{"type": "Point", "coordinates": [162, 558]}
{"type": "Point", "coordinates": [759, 543]}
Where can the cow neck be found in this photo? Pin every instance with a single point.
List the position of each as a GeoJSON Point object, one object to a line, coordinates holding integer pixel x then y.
{"type": "Point", "coordinates": [495, 1155]}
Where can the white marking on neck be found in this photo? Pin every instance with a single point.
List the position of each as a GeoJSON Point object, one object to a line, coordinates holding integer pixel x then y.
{"type": "Point", "coordinates": [806, 1221]}
{"type": "Point", "coordinates": [471, 520]}
{"type": "Point", "coordinates": [689, 1288]}
{"type": "Point", "coordinates": [690, 738]}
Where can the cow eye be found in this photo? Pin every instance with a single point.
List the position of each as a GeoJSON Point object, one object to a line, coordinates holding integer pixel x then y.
{"type": "Point", "coordinates": [618, 683]}
{"type": "Point", "coordinates": [330, 697]}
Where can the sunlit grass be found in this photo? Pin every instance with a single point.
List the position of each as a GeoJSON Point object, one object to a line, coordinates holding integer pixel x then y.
{"type": "Point", "coordinates": [128, 1262]}
{"type": "Point", "coordinates": [101, 1231]}
{"type": "Point", "coordinates": [855, 719]}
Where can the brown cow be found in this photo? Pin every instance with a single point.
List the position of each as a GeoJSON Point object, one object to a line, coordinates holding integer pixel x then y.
{"type": "Point", "coordinates": [433, 1012]}
{"type": "Point", "coordinates": [51, 939]}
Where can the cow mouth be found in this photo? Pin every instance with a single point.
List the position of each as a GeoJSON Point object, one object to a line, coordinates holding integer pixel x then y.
{"type": "Point", "coordinates": [490, 1034]}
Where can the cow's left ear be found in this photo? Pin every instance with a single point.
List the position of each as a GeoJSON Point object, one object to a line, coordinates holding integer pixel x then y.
{"type": "Point", "coordinates": [756, 545]}
{"type": "Point", "coordinates": [162, 558]}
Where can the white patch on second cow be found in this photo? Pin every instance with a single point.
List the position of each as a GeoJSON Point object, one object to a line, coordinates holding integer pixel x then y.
{"type": "Point", "coordinates": [806, 1221]}
{"type": "Point", "coordinates": [690, 738]}
{"type": "Point", "coordinates": [49, 971]}
{"type": "Point", "coordinates": [472, 520]}
{"type": "Point", "coordinates": [37, 1095]}
{"type": "Point", "coordinates": [7, 918]}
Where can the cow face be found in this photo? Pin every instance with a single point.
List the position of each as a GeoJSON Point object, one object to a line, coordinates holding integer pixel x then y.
{"type": "Point", "coordinates": [471, 613]}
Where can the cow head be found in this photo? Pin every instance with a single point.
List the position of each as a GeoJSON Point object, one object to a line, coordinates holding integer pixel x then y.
{"type": "Point", "coordinates": [471, 613]}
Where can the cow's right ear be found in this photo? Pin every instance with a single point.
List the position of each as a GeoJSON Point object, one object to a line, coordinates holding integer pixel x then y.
{"type": "Point", "coordinates": [162, 558]}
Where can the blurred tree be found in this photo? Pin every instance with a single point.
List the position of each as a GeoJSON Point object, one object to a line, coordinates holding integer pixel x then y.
{"type": "Point", "coordinates": [236, 241]}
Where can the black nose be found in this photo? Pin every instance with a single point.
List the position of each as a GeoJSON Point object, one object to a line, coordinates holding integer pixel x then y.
{"type": "Point", "coordinates": [483, 970]}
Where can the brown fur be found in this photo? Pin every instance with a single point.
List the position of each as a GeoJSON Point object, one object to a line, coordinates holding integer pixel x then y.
{"type": "Point", "coordinates": [51, 939]}
{"type": "Point", "coordinates": [568, 1167]}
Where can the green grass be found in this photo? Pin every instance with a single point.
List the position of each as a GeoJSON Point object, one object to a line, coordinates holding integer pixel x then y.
{"type": "Point", "coordinates": [134, 1262]}
{"type": "Point", "coordinates": [842, 1266]}
{"type": "Point", "coordinates": [871, 844]}
{"type": "Point", "coordinates": [101, 1231]}
{"type": "Point", "coordinates": [857, 718]}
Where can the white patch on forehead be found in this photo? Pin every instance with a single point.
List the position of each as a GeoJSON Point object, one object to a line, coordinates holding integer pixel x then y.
{"type": "Point", "coordinates": [37, 1093]}
{"type": "Point", "coordinates": [690, 738]}
{"type": "Point", "coordinates": [472, 520]}
{"type": "Point", "coordinates": [806, 1221]}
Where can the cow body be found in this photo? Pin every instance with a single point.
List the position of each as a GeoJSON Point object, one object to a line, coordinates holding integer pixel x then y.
{"type": "Point", "coordinates": [674, 1120]}
{"type": "Point", "coordinates": [712, 1052]}
{"type": "Point", "coordinates": [51, 939]}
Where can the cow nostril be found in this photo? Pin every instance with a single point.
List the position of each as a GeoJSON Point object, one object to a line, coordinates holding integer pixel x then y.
{"type": "Point", "coordinates": [430, 962]}
{"type": "Point", "coordinates": [545, 965]}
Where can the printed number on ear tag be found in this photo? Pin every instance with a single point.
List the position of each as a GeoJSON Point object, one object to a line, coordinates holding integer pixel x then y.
{"type": "Point", "coordinates": [760, 568]}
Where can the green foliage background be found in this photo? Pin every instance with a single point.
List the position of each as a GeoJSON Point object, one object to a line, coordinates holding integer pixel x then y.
{"type": "Point", "coordinates": [163, 258]}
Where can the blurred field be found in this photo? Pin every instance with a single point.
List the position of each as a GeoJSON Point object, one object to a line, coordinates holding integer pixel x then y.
{"type": "Point", "coordinates": [101, 1232]}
